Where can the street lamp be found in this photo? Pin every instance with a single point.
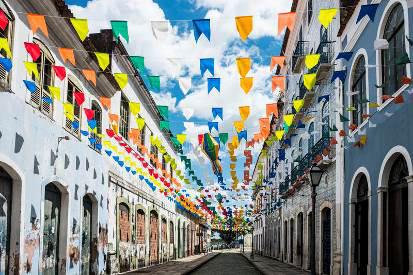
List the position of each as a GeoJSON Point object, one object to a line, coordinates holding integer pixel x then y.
{"type": "Point", "coordinates": [315, 176]}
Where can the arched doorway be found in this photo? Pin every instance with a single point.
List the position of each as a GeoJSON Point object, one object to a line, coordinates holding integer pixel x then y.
{"type": "Point", "coordinates": [6, 193]}
{"type": "Point", "coordinates": [87, 236]}
{"type": "Point", "coordinates": [300, 234]}
{"type": "Point", "coordinates": [326, 239]}
{"type": "Point", "coordinates": [291, 240]}
{"type": "Point", "coordinates": [140, 236]}
{"type": "Point", "coordinates": [397, 216]}
{"type": "Point", "coordinates": [154, 238]}
{"type": "Point", "coordinates": [361, 226]}
{"type": "Point", "coordinates": [171, 240]}
{"type": "Point", "coordinates": [124, 237]}
{"type": "Point", "coordinates": [164, 238]}
{"type": "Point", "coordinates": [51, 229]}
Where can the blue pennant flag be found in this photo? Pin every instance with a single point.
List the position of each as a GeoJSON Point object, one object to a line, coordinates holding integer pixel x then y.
{"type": "Point", "coordinates": [340, 75]}
{"type": "Point", "coordinates": [281, 154]}
{"type": "Point", "coordinates": [92, 123]}
{"type": "Point", "coordinates": [217, 139]}
{"type": "Point", "coordinates": [212, 125]}
{"type": "Point", "coordinates": [121, 163]}
{"type": "Point", "coordinates": [369, 10]}
{"type": "Point", "coordinates": [325, 98]}
{"type": "Point", "coordinates": [141, 177]}
{"type": "Point", "coordinates": [116, 158]}
{"type": "Point", "coordinates": [133, 172]}
{"type": "Point", "coordinates": [30, 85]}
{"type": "Point", "coordinates": [287, 142]}
{"type": "Point", "coordinates": [6, 63]}
{"type": "Point", "coordinates": [242, 135]}
{"type": "Point", "coordinates": [206, 64]}
{"type": "Point", "coordinates": [47, 100]}
{"type": "Point", "coordinates": [108, 152]}
{"type": "Point", "coordinates": [214, 83]}
{"type": "Point", "coordinates": [98, 146]}
{"type": "Point", "coordinates": [218, 112]}
{"type": "Point", "coordinates": [85, 133]}
{"type": "Point", "coordinates": [92, 140]}
{"type": "Point", "coordinates": [202, 26]}
{"type": "Point", "coordinates": [127, 168]}
{"type": "Point", "coordinates": [75, 124]}
{"type": "Point", "coordinates": [344, 55]}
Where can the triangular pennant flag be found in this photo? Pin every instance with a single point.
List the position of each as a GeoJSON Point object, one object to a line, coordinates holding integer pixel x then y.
{"type": "Point", "coordinates": [369, 10]}
{"type": "Point", "coordinates": [243, 135]}
{"type": "Point", "coordinates": [311, 60]}
{"type": "Point", "coordinates": [33, 49]}
{"type": "Point", "coordinates": [326, 16]}
{"type": "Point", "coordinates": [309, 80]}
{"type": "Point", "coordinates": [279, 134]}
{"type": "Point", "coordinates": [278, 82]}
{"type": "Point", "coordinates": [244, 66]}
{"type": "Point", "coordinates": [244, 112]}
{"type": "Point", "coordinates": [30, 85]}
{"type": "Point", "coordinates": [4, 21]}
{"type": "Point", "coordinates": [135, 108]}
{"type": "Point", "coordinates": [187, 112]}
{"type": "Point", "coordinates": [164, 111]}
{"type": "Point", "coordinates": [60, 72]}
{"type": "Point", "coordinates": [140, 122]}
{"type": "Point", "coordinates": [103, 60]}
{"type": "Point", "coordinates": [138, 63]}
{"type": "Point", "coordinates": [206, 64]}
{"type": "Point", "coordinates": [79, 97]}
{"type": "Point", "coordinates": [343, 118]}
{"type": "Point", "coordinates": [120, 28]}
{"type": "Point", "coordinates": [37, 22]}
{"type": "Point", "coordinates": [288, 119]}
{"type": "Point", "coordinates": [246, 84]}
{"type": "Point", "coordinates": [155, 82]}
{"type": "Point", "coordinates": [212, 125]}
{"type": "Point", "coordinates": [32, 69]}
{"type": "Point", "coordinates": [121, 79]}
{"type": "Point", "coordinates": [286, 20]}
{"type": "Point", "coordinates": [239, 125]}
{"type": "Point", "coordinates": [214, 83]}
{"type": "Point", "coordinates": [67, 55]}
{"type": "Point", "coordinates": [345, 55]}
{"type": "Point", "coordinates": [223, 137]}
{"type": "Point", "coordinates": [277, 60]}
{"type": "Point", "coordinates": [298, 104]}
{"type": "Point", "coordinates": [160, 29]}
{"type": "Point", "coordinates": [81, 26]}
{"type": "Point", "coordinates": [164, 125]}
{"type": "Point", "coordinates": [218, 112]}
{"type": "Point", "coordinates": [244, 26]}
{"type": "Point", "coordinates": [54, 92]}
{"type": "Point", "coordinates": [202, 26]}
{"type": "Point", "coordinates": [185, 84]}
{"type": "Point", "coordinates": [90, 75]}
{"type": "Point", "coordinates": [181, 138]}
{"type": "Point", "coordinates": [90, 114]}
{"type": "Point", "coordinates": [340, 75]}
{"type": "Point", "coordinates": [271, 108]}
{"type": "Point", "coordinates": [106, 102]}
{"type": "Point", "coordinates": [69, 110]}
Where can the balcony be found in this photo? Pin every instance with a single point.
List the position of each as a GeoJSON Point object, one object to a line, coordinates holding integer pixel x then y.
{"type": "Point", "coordinates": [301, 50]}
{"type": "Point", "coordinates": [326, 51]}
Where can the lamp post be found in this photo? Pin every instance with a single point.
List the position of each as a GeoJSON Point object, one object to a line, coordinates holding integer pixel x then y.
{"type": "Point", "coordinates": [315, 176]}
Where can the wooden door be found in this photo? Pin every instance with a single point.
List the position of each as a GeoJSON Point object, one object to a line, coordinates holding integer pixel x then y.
{"type": "Point", "coordinates": [6, 185]}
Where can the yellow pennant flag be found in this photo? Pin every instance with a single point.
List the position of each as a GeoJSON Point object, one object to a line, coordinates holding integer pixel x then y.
{"type": "Point", "coordinates": [244, 66]}
{"type": "Point", "coordinates": [121, 79]}
{"type": "Point", "coordinates": [279, 134]}
{"type": "Point", "coordinates": [32, 69]}
{"type": "Point", "coordinates": [298, 104]}
{"type": "Point", "coordinates": [4, 45]}
{"type": "Point", "coordinates": [309, 80]}
{"type": "Point", "coordinates": [311, 60]}
{"type": "Point", "coordinates": [373, 105]}
{"type": "Point", "coordinates": [103, 60]}
{"type": "Point", "coordinates": [181, 138]}
{"type": "Point", "coordinates": [81, 26]}
{"type": "Point", "coordinates": [244, 112]}
{"type": "Point", "coordinates": [69, 110]}
{"type": "Point", "coordinates": [244, 26]}
{"type": "Point", "coordinates": [140, 122]}
{"type": "Point", "coordinates": [246, 84]}
{"type": "Point", "coordinates": [55, 92]}
{"type": "Point", "coordinates": [235, 143]}
{"type": "Point", "coordinates": [135, 107]}
{"type": "Point", "coordinates": [239, 125]}
{"type": "Point", "coordinates": [326, 16]}
{"type": "Point", "coordinates": [288, 119]}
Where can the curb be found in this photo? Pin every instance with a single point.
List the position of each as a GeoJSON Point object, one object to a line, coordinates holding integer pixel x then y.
{"type": "Point", "coordinates": [255, 265]}
{"type": "Point", "coordinates": [200, 264]}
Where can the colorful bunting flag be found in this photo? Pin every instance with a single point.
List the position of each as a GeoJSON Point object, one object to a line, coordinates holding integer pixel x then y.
{"type": "Point", "coordinates": [90, 75]}
{"type": "Point", "coordinates": [120, 28]}
{"type": "Point", "coordinates": [279, 134]}
{"type": "Point", "coordinates": [81, 27]}
{"type": "Point", "coordinates": [244, 26]}
{"type": "Point", "coordinates": [69, 110]}
{"type": "Point", "coordinates": [140, 122]}
{"type": "Point", "coordinates": [6, 63]}
{"type": "Point", "coordinates": [138, 63]}
{"type": "Point", "coordinates": [155, 82]}
{"type": "Point", "coordinates": [278, 82]}
{"type": "Point", "coordinates": [90, 114]}
{"type": "Point", "coordinates": [134, 107]}
{"type": "Point", "coordinates": [311, 60]}
{"type": "Point", "coordinates": [32, 69]}
{"type": "Point", "coordinates": [326, 16]}
{"type": "Point", "coordinates": [202, 26]}
{"type": "Point", "coordinates": [369, 10]}
{"type": "Point", "coordinates": [163, 110]}
{"type": "Point", "coordinates": [272, 108]}
{"type": "Point", "coordinates": [37, 22]}
{"type": "Point", "coordinates": [103, 60]}
{"type": "Point", "coordinates": [239, 125]}
{"type": "Point", "coordinates": [164, 125]}
{"type": "Point", "coordinates": [246, 84]}
{"type": "Point", "coordinates": [4, 21]}
{"type": "Point", "coordinates": [340, 75]}
{"type": "Point", "coordinates": [121, 79]}
{"type": "Point", "coordinates": [79, 97]}
{"type": "Point", "coordinates": [185, 84]}
{"type": "Point", "coordinates": [344, 55]}
{"type": "Point", "coordinates": [214, 83]}
{"type": "Point", "coordinates": [67, 55]}
{"type": "Point", "coordinates": [223, 137]}
{"type": "Point", "coordinates": [309, 80]}
{"type": "Point", "coordinates": [244, 66]}
{"type": "Point", "coordinates": [4, 45]}
{"type": "Point", "coordinates": [30, 85]}
{"type": "Point", "coordinates": [106, 102]}
{"type": "Point", "coordinates": [244, 112]}
{"type": "Point", "coordinates": [160, 29]}
{"type": "Point", "coordinates": [218, 112]}
{"type": "Point", "coordinates": [181, 138]}
{"type": "Point", "coordinates": [60, 72]}
{"type": "Point", "coordinates": [54, 92]}
{"type": "Point", "coordinates": [212, 125]}
{"type": "Point", "coordinates": [286, 20]}
{"type": "Point", "coordinates": [277, 60]}
{"type": "Point", "coordinates": [206, 64]}
{"type": "Point", "coordinates": [288, 119]}
{"type": "Point", "coordinates": [298, 104]}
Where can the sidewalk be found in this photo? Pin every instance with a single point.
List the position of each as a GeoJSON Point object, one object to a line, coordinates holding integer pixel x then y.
{"type": "Point", "coordinates": [176, 267]}
{"type": "Point", "coordinates": [268, 266]}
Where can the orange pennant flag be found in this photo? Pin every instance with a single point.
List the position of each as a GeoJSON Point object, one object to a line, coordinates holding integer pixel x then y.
{"type": "Point", "coordinates": [114, 118]}
{"type": "Point", "coordinates": [90, 75]}
{"type": "Point", "coordinates": [278, 81]}
{"type": "Point", "coordinates": [286, 20]}
{"type": "Point", "coordinates": [277, 60]}
{"type": "Point", "coordinates": [67, 55]}
{"type": "Point", "coordinates": [264, 126]}
{"type": "Point", "coordinates": [272, 109]}
{"type": "Point", "coordinates": [37, 22]}
{"type": "Point", "coordinates": [106, 102]}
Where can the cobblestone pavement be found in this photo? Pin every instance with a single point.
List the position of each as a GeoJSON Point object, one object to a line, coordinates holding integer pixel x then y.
{"type": "Point", "coordinates": [227, 263]}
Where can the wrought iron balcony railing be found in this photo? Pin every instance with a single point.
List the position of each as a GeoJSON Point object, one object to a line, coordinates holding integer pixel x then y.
{"type": "Point", "coordinates": [301, 49]}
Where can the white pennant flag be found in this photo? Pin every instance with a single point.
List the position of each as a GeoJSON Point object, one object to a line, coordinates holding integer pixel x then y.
{"type": "Point", "coordinates": [187, 112]}
{"type": "Point", "coordinates": [189, 125]}
{"type": "Point", "coordinates": [160, 29]}
{"type": "Point", "coordinates": [185, 83]}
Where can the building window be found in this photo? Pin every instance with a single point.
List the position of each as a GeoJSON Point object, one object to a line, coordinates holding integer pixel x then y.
{"type": "Point", "coordinates": [154, 153]}
{"type": "Point", "coordinates": [8, 34]}
{"type": "Point", "coordinates": [358, 88]}
{"type": "Point", "coordinates": [309, 11]}
{"type": "Point", "coordinates": [124, 118]}
{"type": "Point", "coordinates": [325, 113]}
{"type": "Point", "coordinates": [98, 117]}
{"type": "Point", "coordinates": [41, 98]}
{"type": "Point", "coordinates": [311, 140]}
{"type": "Point", "coordinates": [394, 33]}
{"type": "Point", "coordinates": [70, 98]}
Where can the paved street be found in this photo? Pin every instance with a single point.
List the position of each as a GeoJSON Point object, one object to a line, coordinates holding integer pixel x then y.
{"type": "Point", "coordinates": [229, 262]}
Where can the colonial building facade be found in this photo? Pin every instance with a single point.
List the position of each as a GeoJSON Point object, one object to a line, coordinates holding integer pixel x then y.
{"type": "Point", "coordinates": [66, 206]}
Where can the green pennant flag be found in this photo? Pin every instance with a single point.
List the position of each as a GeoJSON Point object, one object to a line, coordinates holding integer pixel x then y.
{"type": "Point", "coordinates": [155, 82]}
{"type": "Point", "coordinates": [402, 59]}
{"type": "Point", "coordinates": [164, 125]}
{"type": "Point", "coordinates": [164, 111]}
{"type": "Point", "coordinates": [138, 63]}
{"type": "Point", "coordinates": [333, 129]}
{"type": "Point", "coordinates": [223, 138]}
{"type": "Point", "coordinates": [343, 118]}
{"type": "Point", "coordinates": [120, 28]}
{"type": "Point", "coordinates": [183, 158]}
{"type": "Point", "coordinates": [191, 173]}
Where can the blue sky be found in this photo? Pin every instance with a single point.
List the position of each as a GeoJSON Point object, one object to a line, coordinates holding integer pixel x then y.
{"type": "Point", "coordinates": [225, 46]}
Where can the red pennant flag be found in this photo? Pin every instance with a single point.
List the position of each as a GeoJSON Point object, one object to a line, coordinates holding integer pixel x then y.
{"type": "Point", "coordinates": [60, 72]}
{"type": "Point", "coordinates": [398, 99]}
{"type": "Point", "coordinates": [33, 49]}
{"type": "Point", "coordinates": [110, 133]}
{"type": "Point", "coordinates": [200, 139]}
{"type": "Point", "coordinates": [90, 114]}
{"type": "Point", "coordinates": [79, 97]}
{"type": "Point", "coordinates": [4, 21]}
